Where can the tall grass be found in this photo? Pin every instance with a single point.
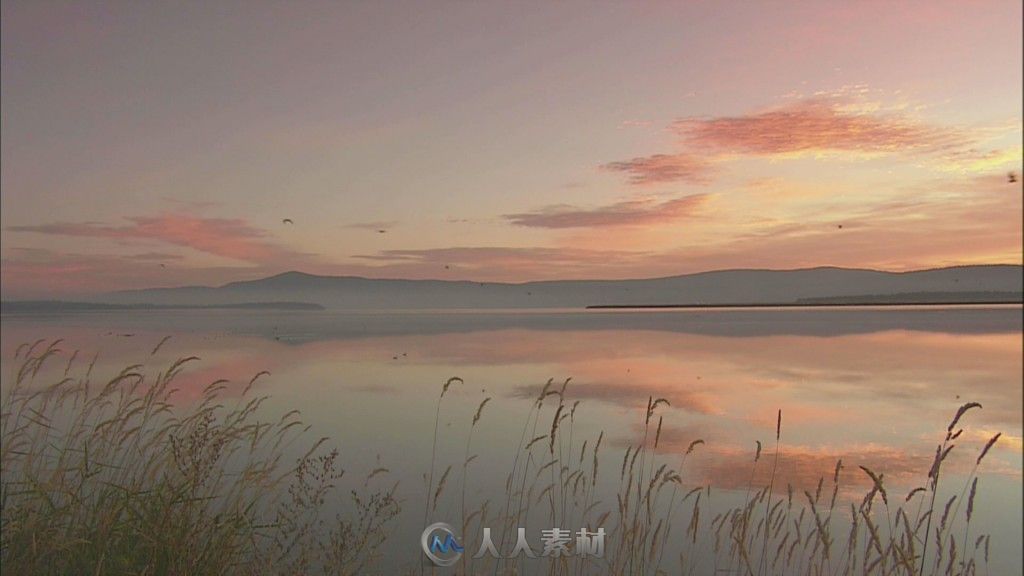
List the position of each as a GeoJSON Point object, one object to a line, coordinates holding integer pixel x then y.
{"type": "Point", "coordinates": [111, 477]}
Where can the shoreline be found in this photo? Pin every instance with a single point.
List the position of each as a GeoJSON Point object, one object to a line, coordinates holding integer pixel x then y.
{"type": "Point", "coordinates": [800, 305]}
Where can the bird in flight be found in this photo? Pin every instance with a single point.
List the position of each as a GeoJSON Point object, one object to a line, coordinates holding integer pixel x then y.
{"type": "Point", "coordinates": [381, 231]}
{"type": "Point", "coordinates": [287, 221]}
{"type": "Point", "coordinates": [1011, 177]}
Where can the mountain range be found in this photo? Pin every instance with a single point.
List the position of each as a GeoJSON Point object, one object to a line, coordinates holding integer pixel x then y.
{"type": "Point", "coordinates": [983, 283]}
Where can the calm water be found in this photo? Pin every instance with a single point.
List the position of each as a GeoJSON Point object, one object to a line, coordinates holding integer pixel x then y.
{"type": "Point", "coordinates": [874, 387]}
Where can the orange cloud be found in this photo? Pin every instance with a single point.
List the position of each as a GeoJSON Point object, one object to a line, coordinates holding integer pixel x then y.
{"type": "Point", "coordinates": [628, 213]}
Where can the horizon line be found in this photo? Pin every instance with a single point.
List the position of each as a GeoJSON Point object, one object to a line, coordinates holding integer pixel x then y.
{"type": "Point", "coordinates": [632, 279]}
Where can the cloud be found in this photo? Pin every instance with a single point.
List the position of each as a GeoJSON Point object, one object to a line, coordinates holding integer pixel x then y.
{"type": "Point", "coordinates": [155, 256]}
{"type": "Point", "coordinates": [820, 124]}
{"type": "Point", "coordinates": [191, 205]}
{"type": "Point", "coordinates": [496, 263]}
{"type": "Point", "coordinates": [377, 225]}
{"type": "Point", "coordinates": [39, 273]}
{"type": "Point", "coordinates": [634, 392]}
{"type": "Point", "coordinates": [978, 161]}
{"type": "Point", "coordinates": [230, 238]}
{"type": "Point", "coordinates": [500, 255]}
{"type": "Point", "coordinates": [627, 213]}
{"type": "Point", "coordinates": [948, 221]}
{"type": "Point", "coordinates": [663, 168]}
{"type": "Point", "coordinates": [951, 220]}
{"type": "Point", "coordinates": [802, 467]}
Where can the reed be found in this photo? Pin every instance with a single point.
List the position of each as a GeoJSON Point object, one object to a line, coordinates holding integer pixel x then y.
{"type": "Point", "coordinates": [113, 477]}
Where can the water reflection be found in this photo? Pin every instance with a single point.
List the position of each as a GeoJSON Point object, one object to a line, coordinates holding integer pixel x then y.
{"type": "Point", "coordinates": [871, 387]}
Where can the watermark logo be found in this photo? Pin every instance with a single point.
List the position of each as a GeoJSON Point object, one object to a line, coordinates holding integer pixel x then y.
{"type": "Point", "coordinates": [440, 544]}
{"type": "Point", "coordinates": [443, 549]}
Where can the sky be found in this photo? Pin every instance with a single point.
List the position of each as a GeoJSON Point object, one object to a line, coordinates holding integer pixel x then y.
{"type": "Point", "coordinates": [166, 144]}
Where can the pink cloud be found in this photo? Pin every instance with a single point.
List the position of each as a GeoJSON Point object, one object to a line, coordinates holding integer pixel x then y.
{"type": "Point", "coordinates": [231, 238]}
{"type": "Point", "coordinates": [801, 467]}
{"type": "Point", "coordinates": [628, 213]}
{"type": "Point", "coordinates": [37, 273]}
{"type": "Point", "coordinates": [820, 124]}
{"type": "Point", "coordinates": [635, 391]}
{"type": "Point", "coordinates": [945, 222]}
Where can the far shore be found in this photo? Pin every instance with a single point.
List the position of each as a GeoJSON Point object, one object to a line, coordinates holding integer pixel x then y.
{"type": "Point", "coordinates": [802, 305]}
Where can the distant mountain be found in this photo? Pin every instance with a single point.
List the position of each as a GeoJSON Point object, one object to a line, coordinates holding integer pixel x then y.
{"type": "Point", "coordinates": [919, 298]}
{"type": "Point", "coordinates": [48, 306]}
{"type": "Point", "coordinates": [721, 287]}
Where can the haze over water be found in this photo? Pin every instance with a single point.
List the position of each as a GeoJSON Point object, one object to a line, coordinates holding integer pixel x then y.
{"type": "Point", "coordinates": [873, 387]}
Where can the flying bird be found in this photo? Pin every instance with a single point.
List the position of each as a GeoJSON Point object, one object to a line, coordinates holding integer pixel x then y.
{"type": "Point", "coordinates": [1011, 177]}
{"type": "Point", "coordinates": [382, 231]}
{"type": "Point", "coordinates": [287, 221]}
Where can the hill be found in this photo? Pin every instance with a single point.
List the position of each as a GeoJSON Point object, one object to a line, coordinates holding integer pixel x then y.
{"type": "Point", "coordinates": [755, 287]}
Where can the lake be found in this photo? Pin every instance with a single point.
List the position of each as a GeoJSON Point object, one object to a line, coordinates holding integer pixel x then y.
{"type": "Point", "coordinates": [873, 387]}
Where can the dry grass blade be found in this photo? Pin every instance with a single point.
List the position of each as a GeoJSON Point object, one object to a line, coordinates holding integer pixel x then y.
{"type": "Point", "coordinates": [554, 428]}
{"type": "Point", "coordinates": [159, 345]}
{"type": "Point", "coordinates": [449, 382]}
{"type": "Point", "coordinates": [534, 441]}
{"type": "Point", "coordinates": [970, 500]}
{"type": "Point", "coordinates": [914, 492]}
{"type": "Point", "coordinates": [440, 486]}
{"type": "Point", "coordinates": [959, 414]}
{"type": "Point", "coordinates": [479, 410]}
{"type": "Point", "coordinates": [988, 446]}
{"type": "Point", "coordinates": [210, 478]}
{"type": "Point", "coordinates": [877, 480]}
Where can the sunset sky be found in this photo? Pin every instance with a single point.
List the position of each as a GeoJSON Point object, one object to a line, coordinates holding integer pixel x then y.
{"type": "Point", "coordinates": [163, 144]}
